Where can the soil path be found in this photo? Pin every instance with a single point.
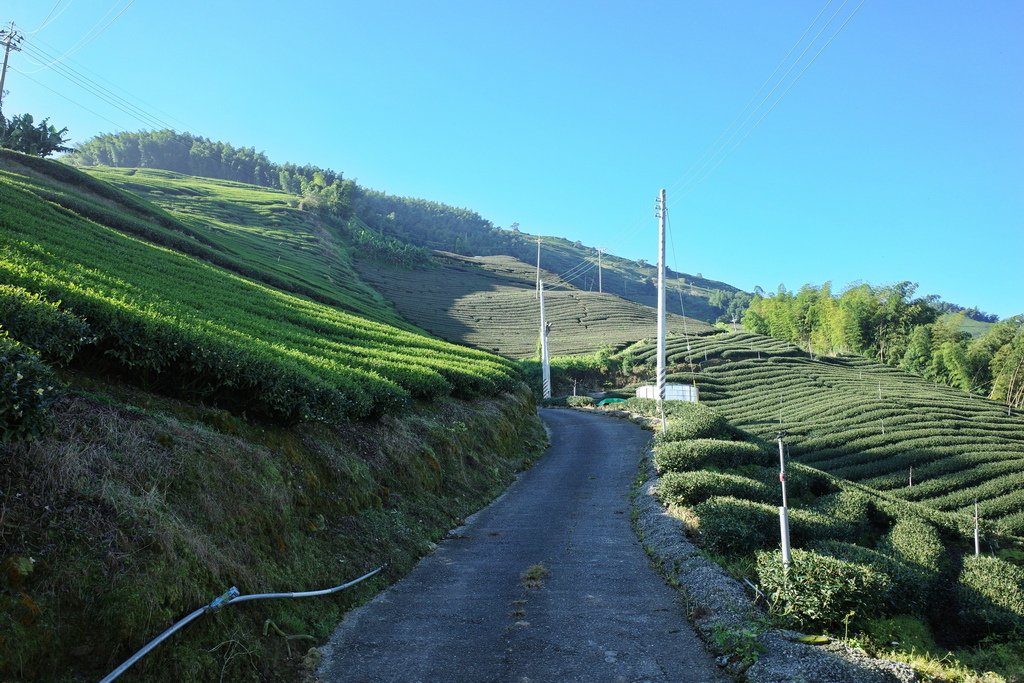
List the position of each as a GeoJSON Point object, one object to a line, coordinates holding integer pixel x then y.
{"type": "Point", "coordinates": [601, 613]}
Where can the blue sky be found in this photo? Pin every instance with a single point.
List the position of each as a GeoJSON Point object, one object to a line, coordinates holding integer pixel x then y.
{"type": "Point", "coordinates": [896, 155]}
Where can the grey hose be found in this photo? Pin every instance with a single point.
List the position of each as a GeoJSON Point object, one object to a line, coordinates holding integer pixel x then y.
{"type": "Point", "coordinates": [229, 596]}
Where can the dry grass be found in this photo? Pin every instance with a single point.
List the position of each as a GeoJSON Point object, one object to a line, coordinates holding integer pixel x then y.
{"type": "Point", "coordinates": [534, 575]}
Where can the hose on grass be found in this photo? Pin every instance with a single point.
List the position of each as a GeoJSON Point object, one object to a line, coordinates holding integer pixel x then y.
{"type": "Point", "coordinates": [230, 596]}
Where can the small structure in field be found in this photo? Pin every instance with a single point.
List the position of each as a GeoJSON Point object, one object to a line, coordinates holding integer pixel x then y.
{"type": "Point", "coordinates": [673, 392]}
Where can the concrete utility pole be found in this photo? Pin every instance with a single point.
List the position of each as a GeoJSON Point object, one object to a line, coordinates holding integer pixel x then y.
{"type": "Point", "coordinates": [600, 286]}
{"type": "Point", "coordinates": [545, 360]}
{"type": "Point", "coordinates": [784, 510]}
{"type": "Point", "coordinates": [11, 40]}
{"type": "Point", "coordinates": [662, 210]}
{"type": "Point", "coordinates": [536, 293]}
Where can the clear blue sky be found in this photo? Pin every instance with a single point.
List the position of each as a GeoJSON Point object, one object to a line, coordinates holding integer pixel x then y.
{"type": "Point", "coordinates": [898, 154]}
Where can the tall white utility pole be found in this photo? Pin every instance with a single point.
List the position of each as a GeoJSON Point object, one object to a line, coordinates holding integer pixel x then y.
{"type": "Point", "coordinates": [10, 39]}
{"type": "Point", "coordinates": [662, 210]}
{"type": "Point", "coordinates": [545, 360]}
{"type": "Point", "coordinates": [784, 510]}
{"type": "Point", "coordinates": [600, 286]}
{"type": "Point", "coordinates": [536, 292]}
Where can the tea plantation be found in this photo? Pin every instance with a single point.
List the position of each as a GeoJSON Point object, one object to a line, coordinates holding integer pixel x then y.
{"type": "Point", "coordinates": [865, 422]}
{"type": "Point", "coordinates": [490, 303]}
{"type": "Point", "coordinates": [866, 564]}
{"type": "Point", "coordinates": [195, 327]}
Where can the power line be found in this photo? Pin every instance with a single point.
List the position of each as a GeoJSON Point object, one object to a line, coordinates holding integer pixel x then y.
{"type": "Point", "coordinates": [47, 21]}
{"type": "Point", "coordinates": [687, 189]}
{"type": "Point", "coordinates": [101, 92]}
{"type": "Point", "coordinates": [90, 35]}
{"type": "Point", "coordinates": [715, 148]}
{"type": "Point", "coordinates": [118, 126]}
{"type": "Point", "coordinates": [48, 50]}
{"type": "Point", "coordinates": [715, 154]}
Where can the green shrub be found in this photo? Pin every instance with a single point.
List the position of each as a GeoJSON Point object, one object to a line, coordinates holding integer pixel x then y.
{"type": "Point", "coordinates": [907, 589]}
{"type": "Point", "coordinates": [819, 592]}
{"type": "Point", "coordinates": [990, 595]}
{"type": "Point", "coordinates": [580, 401]}
{"type": "Point", "coordinates": [690, 488]}
{"type": "Point", "coordinates": [27, 389]}
{"type": "Point", "coordinates": [680, 456]}
{"type": "Point", "coordinates": [802, 482]}
{"type": "Point", "coordinates": [915, 542]}
{"type": "Point", "coordinates": [730, 525]}
{"type": "Point", "coordinates": [40, 324]}
{"type": "Point", "coordinates": [697, 421]}
{"type": "Point", "coordinates": [855, 509]}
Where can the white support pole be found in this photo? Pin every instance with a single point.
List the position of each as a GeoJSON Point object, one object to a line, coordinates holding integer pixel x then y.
{"type": "Point", "coordinates": [784, 510]}
{"type": "Point", "coordinates": [662, 210]}
{"type": "Point", "coordinates": [910, 484]}
{"type": "Point", "coordinates": [536, 293]}
{"type": "Point", "coordinates": [545, 360]}
{"type": "Point", "coordinates": [977, 532]}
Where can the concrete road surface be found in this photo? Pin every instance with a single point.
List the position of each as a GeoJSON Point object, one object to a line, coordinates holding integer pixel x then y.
{"type": "Point", "coordinates": [595, 610]}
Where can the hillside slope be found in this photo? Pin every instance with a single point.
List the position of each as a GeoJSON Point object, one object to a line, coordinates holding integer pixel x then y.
{"type": "Point", "coordinates": [196, 329]}
{"type": "Point", "coordinates": [866, 422]}
{"type": "Point", "coordinates": [490, 303]}
{"type": "Point", "coordinates": [229, 418]}
{"type": "Point", "coordinates": [424, 223]}
{"type": "Point", "coordinates": [485, 302]}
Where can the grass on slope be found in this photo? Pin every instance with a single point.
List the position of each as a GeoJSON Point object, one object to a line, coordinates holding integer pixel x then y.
{"type": "Point", "coordinates": [867, 423]}
{"type": "Point", "coordinates": [263, 229]}
{"type": "Point", "coordinates": [195, 329]}
{"type": "Point", "coordinates": [139, 509]}
{"type": "Point", "coordinates": [489, 303]}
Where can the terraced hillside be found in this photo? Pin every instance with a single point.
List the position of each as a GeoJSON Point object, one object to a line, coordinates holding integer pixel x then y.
{"type": "Point", "coordinates": [255, 231]}
{"type": "Point", "coordinates": [866, 422]}
{"type": "Point", "coordinates": [489, 302]}
{"type": "Point", "coordinates": [198, 329]}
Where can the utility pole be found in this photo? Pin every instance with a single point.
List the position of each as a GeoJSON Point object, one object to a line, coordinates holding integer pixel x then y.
{"type": "Point", "coordinates": [661, 211]}
{"type": "Point", "coordinates": [11, 40]}
{"type": "Point", "coordinates": [784, 510]}
{"type": "Point", "coordinates": [545, 360]}
{"type": "Point", "coordinates": [600, 286]}
{"type": "Point", "coordinates": [536, 293]}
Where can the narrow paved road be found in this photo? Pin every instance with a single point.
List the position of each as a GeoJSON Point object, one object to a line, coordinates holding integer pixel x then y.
{"type": "Point", "coordinates": [602, 614]}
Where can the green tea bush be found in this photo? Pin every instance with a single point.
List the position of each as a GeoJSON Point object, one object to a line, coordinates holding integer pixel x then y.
{"type": "Point", "coordinates": [855, 509]}
{"type": "Point", "coordinates": [580, 401]}
{"type": "Point", "coordinates": [732, 526]}
{"type": "Point", "coordinates": [819, 592]}
{"type": "Point", "coordinates": [915, 542]}
{"type": "Point", "coordinates": [697, 421]}
{"type": "Point", "coordinates": [908, 592]}
{"type": "Point", "coordinates": [990, 595]}
{"type": "Point", "coordinates": [680, 456]}
{"type": "Point", "coordinates": [40, 324]}
{"type": "Point", "coordinates": [27, 389]}
{"type": "Point", "coordinates": [690, 488]}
